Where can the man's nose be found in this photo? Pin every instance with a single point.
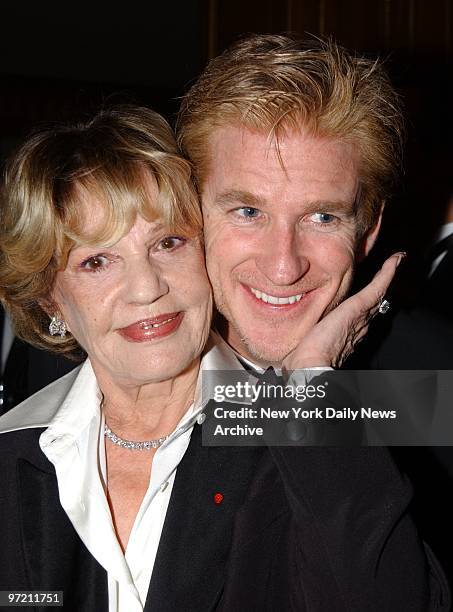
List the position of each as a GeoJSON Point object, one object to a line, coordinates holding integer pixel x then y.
{"type": "Point", "coordinates": [145, 283]}
{"type": "Point", "coordinates": [281, 259]}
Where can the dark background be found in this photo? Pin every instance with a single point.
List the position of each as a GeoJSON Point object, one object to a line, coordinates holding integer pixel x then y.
{"type": "Point", "coordinates": [57, 59]}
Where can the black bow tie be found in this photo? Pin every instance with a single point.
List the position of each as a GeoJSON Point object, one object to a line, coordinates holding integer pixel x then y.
{"type": "Point", "coordinates": [269, 377]}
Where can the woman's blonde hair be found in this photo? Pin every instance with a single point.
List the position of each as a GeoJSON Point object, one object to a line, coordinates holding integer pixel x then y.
{"type": "Point", "coordinates": [273, 83]}
{"type": "Point", "coordinates": [110, 155]}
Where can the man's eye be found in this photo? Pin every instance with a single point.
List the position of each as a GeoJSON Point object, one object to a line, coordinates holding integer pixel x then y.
{"type": "Point", "coordinates": [323, 218]}
{"type": "Point", "coordinates": [95, 263]}
{"type": "Point", "coordinates": [170, 243]}
{"type": "Point", "coordinates": [248, 212]}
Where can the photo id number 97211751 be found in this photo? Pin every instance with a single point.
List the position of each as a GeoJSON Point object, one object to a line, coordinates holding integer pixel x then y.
{"type": "Point", "coordinates": [21, 598]}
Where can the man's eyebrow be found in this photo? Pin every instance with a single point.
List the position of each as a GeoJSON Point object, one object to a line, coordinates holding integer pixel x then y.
{"type": "Point", "coordinates": [345, 206]}
{"type": "Point", "coordinates": [235, 196]}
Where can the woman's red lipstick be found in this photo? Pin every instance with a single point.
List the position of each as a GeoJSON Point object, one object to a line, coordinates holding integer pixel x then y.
{"type": "Point", "coordinates": [148, 329]}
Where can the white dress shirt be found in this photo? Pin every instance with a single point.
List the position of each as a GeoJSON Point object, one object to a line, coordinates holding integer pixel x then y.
{"type": "Point", "coordinates": [75, 444]}
{"type": "Point", "coordinates": [296, 378]}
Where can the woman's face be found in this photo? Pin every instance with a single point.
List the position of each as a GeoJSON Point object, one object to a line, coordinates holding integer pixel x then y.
{"type": "Point", "coordinates": [142, 308]}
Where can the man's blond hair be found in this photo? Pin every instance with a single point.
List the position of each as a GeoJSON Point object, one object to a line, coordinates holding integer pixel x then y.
{"type": "Point", "coordinates": [275, 84]}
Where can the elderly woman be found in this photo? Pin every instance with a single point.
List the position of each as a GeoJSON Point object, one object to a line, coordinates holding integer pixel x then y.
{"type": "Point", "coordinates": [107, 496]}
{"type": "Point", "coordinates": [101, 254]}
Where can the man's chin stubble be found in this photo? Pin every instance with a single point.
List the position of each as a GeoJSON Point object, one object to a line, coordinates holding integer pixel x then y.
{"type": "Point", "coordinates": [261, 355]}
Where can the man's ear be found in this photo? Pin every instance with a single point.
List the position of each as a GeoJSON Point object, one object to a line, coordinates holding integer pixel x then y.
{"type": "Point", "coordinates": [370, 236]}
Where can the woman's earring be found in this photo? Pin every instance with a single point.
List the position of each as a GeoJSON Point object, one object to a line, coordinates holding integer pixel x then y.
{"type": "Point", "coordinates": [57, 326]}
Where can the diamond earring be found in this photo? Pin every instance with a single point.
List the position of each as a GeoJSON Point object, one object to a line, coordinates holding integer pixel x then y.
{"type": "Point", "coordinates": [57, 326]}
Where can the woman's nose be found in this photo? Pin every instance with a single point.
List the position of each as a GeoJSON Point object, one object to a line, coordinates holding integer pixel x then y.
{"type": "Point", "coordinates": [145, 283]}
{"type": "Point", "coordinates": [281, 259]}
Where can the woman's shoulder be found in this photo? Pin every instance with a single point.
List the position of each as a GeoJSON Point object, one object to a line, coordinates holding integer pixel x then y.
{"type": "Point", "coordinates": [37, 411]}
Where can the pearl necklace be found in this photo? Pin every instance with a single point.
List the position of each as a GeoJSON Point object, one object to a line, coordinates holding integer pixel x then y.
{"type": "Point", "coordinates": [129, 444]}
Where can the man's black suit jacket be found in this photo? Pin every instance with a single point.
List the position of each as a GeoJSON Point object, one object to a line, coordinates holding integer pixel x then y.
{"type": "Point", "coordinates": [315, 529]}
{"type": "Point", "coordinates": [419, 339]}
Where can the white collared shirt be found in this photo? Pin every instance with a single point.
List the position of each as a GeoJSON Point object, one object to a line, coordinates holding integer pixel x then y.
{"type": "Point", "coordinates": [74, 443]}
{"type": "Point", "coordinates": [297, 377]}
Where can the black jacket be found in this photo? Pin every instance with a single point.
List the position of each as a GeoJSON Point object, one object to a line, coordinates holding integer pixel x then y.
{"type": "Point", "coordinates": [315, 529]}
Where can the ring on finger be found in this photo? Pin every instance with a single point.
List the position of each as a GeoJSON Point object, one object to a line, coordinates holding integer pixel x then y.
{"type": "Point", "coordinates": [384, 306]}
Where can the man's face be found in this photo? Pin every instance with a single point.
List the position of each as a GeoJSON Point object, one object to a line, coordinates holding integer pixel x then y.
{"type": "Point", "coordinates": [281, 233]}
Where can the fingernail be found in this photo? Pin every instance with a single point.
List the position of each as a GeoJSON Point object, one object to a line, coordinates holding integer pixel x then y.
{"type": "Point", "coordinates": [401, 255]}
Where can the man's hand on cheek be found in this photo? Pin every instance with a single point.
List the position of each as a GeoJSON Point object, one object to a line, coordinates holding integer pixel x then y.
{"type": "Point", "coordinates": [333, 338]}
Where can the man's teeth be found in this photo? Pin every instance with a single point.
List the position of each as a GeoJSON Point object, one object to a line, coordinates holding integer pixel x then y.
{"type": "Point", "coordinates": [272, 299]}
{"type": "Point", "coordinates": [148, 326]}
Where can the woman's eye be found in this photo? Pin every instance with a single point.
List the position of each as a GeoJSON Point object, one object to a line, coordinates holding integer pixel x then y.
{"type": "Point", "coordinates": [95, 263]}
{"type": "Point", "coordinates": [248, 212]}
{"type": "Point", "coordinates": [170, 243]}
{"type": "Point", "coordinates": [323, 218]}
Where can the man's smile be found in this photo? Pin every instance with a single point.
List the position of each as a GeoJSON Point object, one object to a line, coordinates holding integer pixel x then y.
{"type": "Point", "coordinates": [269, 304]}
{"type": "Point", "coordinates": [276, 300]}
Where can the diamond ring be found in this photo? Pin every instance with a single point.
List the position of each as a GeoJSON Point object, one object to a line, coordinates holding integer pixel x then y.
{"type": "Point", "coordinates": [384, 306]}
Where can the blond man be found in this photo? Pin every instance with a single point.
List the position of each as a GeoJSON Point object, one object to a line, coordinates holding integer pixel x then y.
{"type": "Point", "coordinates": [295, 148]}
